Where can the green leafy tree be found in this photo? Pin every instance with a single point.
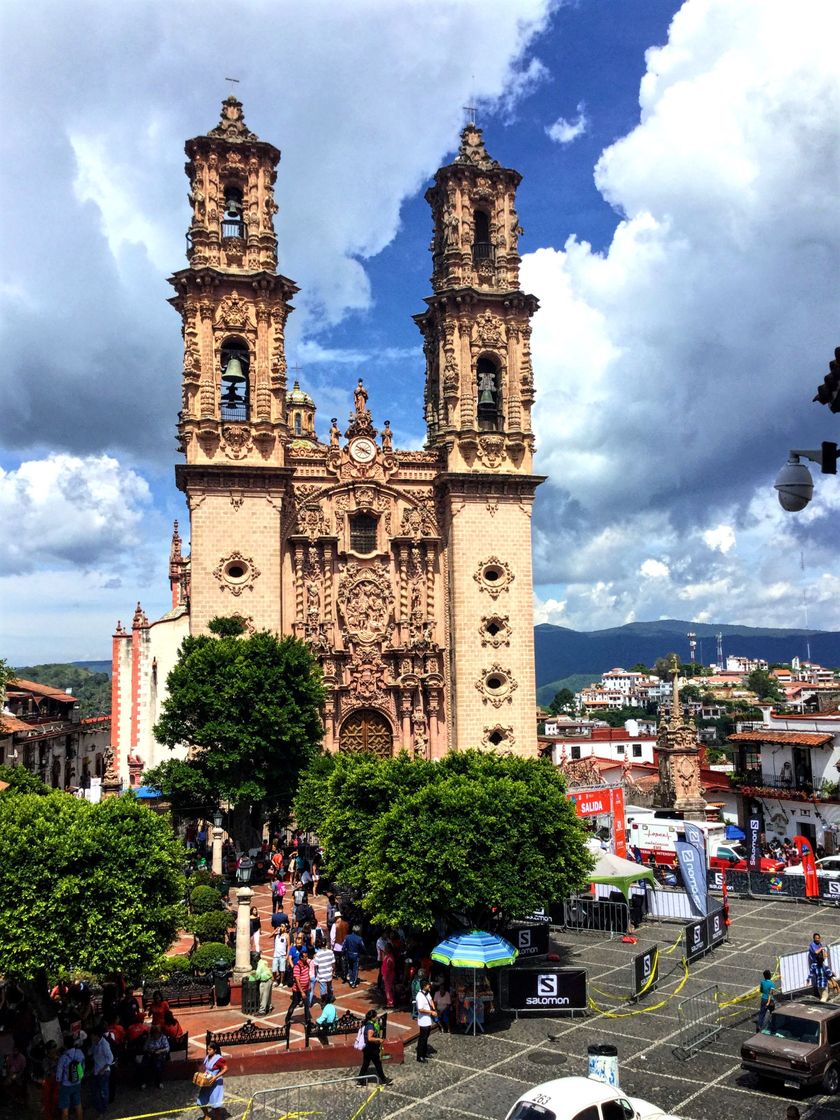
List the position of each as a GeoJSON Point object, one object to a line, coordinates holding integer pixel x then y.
{"type": "Point", "coordinates": [690, 693]}
{"type": "Point", "coordinates": [20, 780]}
{"type": "Point", "coordinates": [308, 807]}
{"type": "Point", "coordinates": [488, 838]}
{"type": "Point", "coordinates": [249, 708]}
{"type": "Point", "coordinates": [764, 685]}
{"type": "Point", "coordinates": [563, 702]}
{"type": "Point", "coordinates": [91, 887]}
{"type": "Point", "coordinates": [663, 667]}
{"type": "Point", "coordinates": [186, 787]}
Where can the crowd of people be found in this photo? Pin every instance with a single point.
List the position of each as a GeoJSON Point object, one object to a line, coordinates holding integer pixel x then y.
{"type": "Point", "coordinates": [74, 1038]}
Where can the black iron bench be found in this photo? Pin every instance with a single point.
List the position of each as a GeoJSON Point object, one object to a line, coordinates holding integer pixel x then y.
{"type": "Point", "coordinates": [182, 990]}
{"type": "Point", "coordinates": [249, 1032]}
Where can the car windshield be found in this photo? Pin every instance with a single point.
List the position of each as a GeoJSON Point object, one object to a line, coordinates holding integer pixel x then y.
{"type": "Point", "coordinates": [527, 1111]}
{"type": "Point", "coordinates": [789, 1026]}
{"type": "Point", "coordinates": [737, 851]}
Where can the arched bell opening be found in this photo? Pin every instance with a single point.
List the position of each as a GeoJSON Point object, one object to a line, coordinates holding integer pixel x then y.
{"type": "Point", "coordinates": [233, 224]}
{"type": "Point", "coordinates": [488, 384]}
{"type": "Point", "coordinates": [482, 248]}
{"type": "Point", "coordinates": [235, 361]}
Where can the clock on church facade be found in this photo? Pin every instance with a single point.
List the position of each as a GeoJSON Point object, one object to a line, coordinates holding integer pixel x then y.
{"type": "Point", "coordinates": [408, 572]}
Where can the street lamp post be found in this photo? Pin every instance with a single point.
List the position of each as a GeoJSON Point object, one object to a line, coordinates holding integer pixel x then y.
{"type": "Point", "coordinates": [218, 833]}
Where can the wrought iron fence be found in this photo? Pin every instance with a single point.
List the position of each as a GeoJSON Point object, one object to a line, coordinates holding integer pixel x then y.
{"type": "Point", "coordinates": [336, 1098]}
{"type": "Point", "coordinates": [699, 1017]}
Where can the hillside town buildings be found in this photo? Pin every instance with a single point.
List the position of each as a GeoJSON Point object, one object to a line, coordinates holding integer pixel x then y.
{"type": "Point", "coordinates": [408, 572]}
{"type": "Point", "coordinates": [41, 730]}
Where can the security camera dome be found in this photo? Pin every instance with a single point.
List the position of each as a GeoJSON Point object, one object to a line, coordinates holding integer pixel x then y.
{"type": "Point", "coordinates": [794, 485]}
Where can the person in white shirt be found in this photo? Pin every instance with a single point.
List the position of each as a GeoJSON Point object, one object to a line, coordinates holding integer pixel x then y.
{"type": "Point", "coordinates": [281, 949]}
{"type": "Point", "coordinates": [443, 1006]}
{"type": "Point", "coordinates": [426, 1017]}
{"type": "Point", "coordinates": [103, 1058]}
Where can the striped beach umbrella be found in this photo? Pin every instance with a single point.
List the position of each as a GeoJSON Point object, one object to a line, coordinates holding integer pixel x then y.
{"type": "Point", "coordinates": [475, 950]}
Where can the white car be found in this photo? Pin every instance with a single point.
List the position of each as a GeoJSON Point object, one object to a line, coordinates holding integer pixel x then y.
{"type": "Point", "coordinates": [828, 867]}
{"type": "Point", "coordinates": [582, 1098]}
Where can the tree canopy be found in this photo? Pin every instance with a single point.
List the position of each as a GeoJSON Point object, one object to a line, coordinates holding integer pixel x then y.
{"type": "Point", "coordinates": [91, 887]}
{"type": "Point", "coordinates": [249, 708]}
{"type": "Point", "coordinates": [563, 702]}
{"type": "Point", "coordinates": [484, 837]}
{"type": "Point", "coordinates": [764, 685]}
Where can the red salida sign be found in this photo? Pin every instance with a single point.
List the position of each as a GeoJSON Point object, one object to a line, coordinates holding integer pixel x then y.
{"type": "Point", "coordinates": [598, 803]}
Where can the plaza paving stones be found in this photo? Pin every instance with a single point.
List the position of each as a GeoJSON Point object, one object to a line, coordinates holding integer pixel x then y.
{"type": "Point", "coordinates": [481, 1078]}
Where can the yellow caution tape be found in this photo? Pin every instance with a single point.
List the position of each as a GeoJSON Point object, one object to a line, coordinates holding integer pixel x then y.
{"type": "Point", "coordinates": [364, 1104]}
{"type": "Point", "coordinates": [643, 1010]}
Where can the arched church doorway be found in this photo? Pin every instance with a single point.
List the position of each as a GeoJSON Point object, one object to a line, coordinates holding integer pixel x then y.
{"type": "Point", "coordinates": [368, 732]}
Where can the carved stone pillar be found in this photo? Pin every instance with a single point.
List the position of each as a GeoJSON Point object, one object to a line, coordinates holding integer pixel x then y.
{"type": "Point", "coordinates": [218, 834]}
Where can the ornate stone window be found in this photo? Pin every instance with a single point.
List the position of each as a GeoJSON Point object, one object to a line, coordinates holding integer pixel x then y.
{"type": "Point", "coordinates": [363, 533]}
{"type": "Point", "coordinates": [496, 685]}
{"type": "Point", "coordinates": [498, 737]}
{"type": "Point", "coordinates": [495, 631]}
{"type": "Point", "coordinates": [488, 383]}
{"type": "Point", "coordinates": [236, 573]}
{"type": "Point", "coordinates": [494, 576]}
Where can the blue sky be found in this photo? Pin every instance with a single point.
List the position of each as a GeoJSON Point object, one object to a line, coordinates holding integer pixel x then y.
{"type": "Point", "coordinates": [680, 167]}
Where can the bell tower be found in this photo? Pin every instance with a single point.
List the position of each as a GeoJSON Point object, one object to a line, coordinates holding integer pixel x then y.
{"type": "Point", "coordinates": [232, 427]}
{"type": "Point", "coordinates": [478, 398]}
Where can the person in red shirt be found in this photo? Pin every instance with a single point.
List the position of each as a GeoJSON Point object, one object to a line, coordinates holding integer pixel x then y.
{"type": "Point", "coordinates": [300, 991]}
{"type": "Point", "coordinates": [158, 1009]}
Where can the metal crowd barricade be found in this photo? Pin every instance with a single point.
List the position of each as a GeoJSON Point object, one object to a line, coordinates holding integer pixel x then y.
{"type": "Point", "coordinates": [585, 914]}
{"type": "Point", "coordinates": [336, 1098]}
{"type": "Point", "coordinates": [699, 1017]}
{"type": "Point", "coordinates": [794, 970]}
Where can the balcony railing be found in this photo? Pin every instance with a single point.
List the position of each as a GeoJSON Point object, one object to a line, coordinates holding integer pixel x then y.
{"type": "Point", "coordinates": [233, 227]}
{"type": "Point", "coordinates": [482, 251]}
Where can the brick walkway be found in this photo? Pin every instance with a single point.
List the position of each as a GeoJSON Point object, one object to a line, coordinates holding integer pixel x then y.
{"type": "Point", "coordinates": [197, 1021]}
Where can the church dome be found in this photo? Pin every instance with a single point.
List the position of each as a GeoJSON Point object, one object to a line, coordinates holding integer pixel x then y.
{"type": "Point", "coordinates": [296, 396]}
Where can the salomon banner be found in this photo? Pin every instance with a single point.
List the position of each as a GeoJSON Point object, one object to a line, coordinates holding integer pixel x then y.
{"type": "Point", "coordinates": [696, 939]}
{"type": "Point", "coordinates": [530, 940]}
{"type": "Point", "coordinates": [697, 838]}
{"type": "Point", "coordinates": [693, 869]}
{"type": "Point", "coordinates": [646, 970]}
{"type": "Point", "coordinates": [754, 849]}
{"type": "Point", "coordinates": [717, 928]}
{"type": "Point", "coordinates": [546, 989]}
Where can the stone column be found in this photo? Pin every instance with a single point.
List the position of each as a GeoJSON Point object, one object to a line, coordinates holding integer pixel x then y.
{"type": "Point", "coordinates": [242, 966]}
{"type": "Point", "coordinates": [218, 833]}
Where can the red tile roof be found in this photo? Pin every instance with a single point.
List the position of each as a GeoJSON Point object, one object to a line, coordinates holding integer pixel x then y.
{"type": "Point", "coordinates": [10, 724]}
{"type": "Point", "coordinates": [789, 738]}
{"type": "Point", "coordinates": [42, 690]}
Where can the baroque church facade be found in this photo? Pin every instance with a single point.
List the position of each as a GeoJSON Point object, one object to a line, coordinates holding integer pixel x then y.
{"type": "Point", "coordinates": [407, 571]}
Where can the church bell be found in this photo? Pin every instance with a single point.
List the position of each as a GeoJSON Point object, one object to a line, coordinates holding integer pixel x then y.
{"type": "Point", "coordinates": [487, 397]}
{"type": "Point", "coordinates": [234, 378]}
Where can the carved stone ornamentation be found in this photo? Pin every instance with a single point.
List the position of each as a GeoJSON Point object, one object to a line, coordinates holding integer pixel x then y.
{"type": "Point", "coordinates": [493, 576]}
{"type": "Point", "coordinates": [491, 451]}
{"type": "Point", "coordinates": [495, 631]}
{"type": "Point", "coordinates": [498, 738]}
{"type": "Point", "coordinates": [237, 440]}
{"type": "Point", "coordinates": [365, 599]}
{"type": "Point", "coordinates": [496, 685]}
{"type": "Point", "coordinates": [236, 573]}
{"type": "Point", "coordinates": [367, 676]}
{"type": "Point", "coordinates": [488, 331]}
{"type": "Point", "coordinates": [312, 521]}
{"type": "Point", "coordinates": [233, 313]}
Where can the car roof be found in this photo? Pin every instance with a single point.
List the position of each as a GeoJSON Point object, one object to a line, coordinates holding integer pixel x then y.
{"type": "Point", "coordinates": [810, 1010]}
{"type": "Point", "coordinates": [574, 1091]}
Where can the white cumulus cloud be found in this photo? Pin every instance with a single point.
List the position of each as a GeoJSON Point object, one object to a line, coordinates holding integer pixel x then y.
{"type": "Point", "coordinates": [565, 131]}
{"type": "Point", "coordinates": [677, 367]}
{"type": "Point", "coordinates": [654, 569]}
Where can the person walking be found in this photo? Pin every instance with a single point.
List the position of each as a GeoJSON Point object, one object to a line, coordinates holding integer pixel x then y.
{"type": "Point", "coordinates": [300, 989]}
{"type": "Point", "coordinates": [426, 1018]}
{"type": "Point", "coordinates": [372, 1052]}
{"type": "Point", "coordinates": [389, 975]}
{"type": "Point", "coordinates": [102, 1057]}
{"type": "Point", "coordinates": [354, 947]}
{"type": "Point", "coordinates": [212, 1095]}
{"type": "Point", "coordinates": [767, 1003]}
{"type": "Point", "coordinates": [323, 972]}
{"type": "Point", "coordinates": [278, 891]}
{"type": "Point", "coordinates": [69, 1072]}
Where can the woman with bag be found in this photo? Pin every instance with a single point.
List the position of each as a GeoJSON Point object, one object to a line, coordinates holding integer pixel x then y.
{"type": "Point", "coordinates": [371, 1050]}
{"type": "Point", "coordinates": [210, 1082]}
